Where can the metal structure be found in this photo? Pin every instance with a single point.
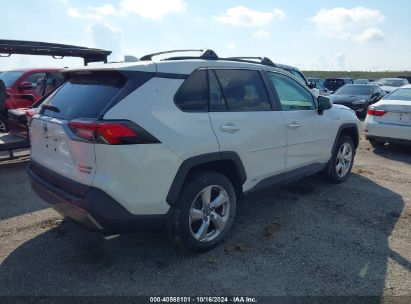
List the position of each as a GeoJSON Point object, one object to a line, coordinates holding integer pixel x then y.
{"type": "Point", "coordinates": [55, 50]}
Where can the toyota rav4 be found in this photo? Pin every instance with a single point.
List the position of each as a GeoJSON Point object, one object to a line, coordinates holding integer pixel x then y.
{"type": "Point", "coordinates": [177, 142]}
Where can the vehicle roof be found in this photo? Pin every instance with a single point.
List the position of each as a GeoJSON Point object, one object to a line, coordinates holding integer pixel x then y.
{"type": "Point", "coordinates": [392, 78]}
{"type": "Point", "coordinates": [186, 66]}
{"type": "Point", "coordinates": [338, 78]}
{"type": "Point", "coordinates": [361, 85]}
{"type": "Point", "coordinates": [35, 70]}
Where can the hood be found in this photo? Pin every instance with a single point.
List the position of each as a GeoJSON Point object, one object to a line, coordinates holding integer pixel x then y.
{"type": "Point", "coordinates": [344, 99]}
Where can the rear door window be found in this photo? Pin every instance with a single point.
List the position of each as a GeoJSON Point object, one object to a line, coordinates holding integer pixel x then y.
{"type": "Point", "coordinates": [83, 96]}
{"type": "Point", "coordinates": [244, 90]}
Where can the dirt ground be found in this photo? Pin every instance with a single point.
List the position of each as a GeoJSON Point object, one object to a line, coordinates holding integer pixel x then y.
{"type": "Point", "coordinates": [309, 238]}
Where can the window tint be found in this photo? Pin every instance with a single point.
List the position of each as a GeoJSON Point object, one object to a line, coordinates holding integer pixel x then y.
{"type": "Point", "coordinates": [35, 79]}
{"type": "Point", "coordinates": [58, 78]}
{"type": "Point", "coordinates": [83, 96]}
{"type": "Point", "coordinates": [243, 90]}
{"type": "Point", "coordinates": [9, 78]}
{"type": "Point", "coordinates": [299, 76]}
{"type": "Point", "coordinates": [217, 100]}
{"type": "Point", "coordinates": [192, 96]}
{"type": "Point", "coordinates": [292, 95]}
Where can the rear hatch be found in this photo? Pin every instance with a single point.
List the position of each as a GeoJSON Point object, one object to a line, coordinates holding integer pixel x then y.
{"type": "Point", "coordinates": [69, 124]}
{"type": "Point", "coordinates": [396, 112]}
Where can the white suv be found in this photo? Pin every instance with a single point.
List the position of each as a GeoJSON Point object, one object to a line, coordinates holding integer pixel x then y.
{"type": "Point", "coordinates": [176, 142]}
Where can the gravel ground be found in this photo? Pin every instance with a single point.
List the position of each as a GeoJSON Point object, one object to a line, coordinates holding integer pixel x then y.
{"type": "Point", "coordinates": [310, 238]}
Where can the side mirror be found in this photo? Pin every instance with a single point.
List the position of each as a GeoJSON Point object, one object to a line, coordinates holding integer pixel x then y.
{"type": "Point", "coordinates": [25, 85]}
{"type": "Point", "coordinates": [324, 103]}
{"type": "Point", "coordinates": [312, 85]}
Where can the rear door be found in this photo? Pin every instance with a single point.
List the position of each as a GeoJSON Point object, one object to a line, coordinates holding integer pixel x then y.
{"type": "Point", "coordinates": [308, 133]}
{"type": "Point", "coordinates": [244, 121]}
{"type": "Point", "coordinates": [81, 97]}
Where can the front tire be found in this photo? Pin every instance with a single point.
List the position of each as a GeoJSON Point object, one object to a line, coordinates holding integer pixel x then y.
{"type": "Point", "coordinates": [342, 160]}
{"type": "Point", "coordinates": [206, 210]}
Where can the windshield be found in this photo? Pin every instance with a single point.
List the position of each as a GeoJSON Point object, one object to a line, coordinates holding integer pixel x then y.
{"type": "Point", "coordinates": [354, 90]}
{"type": "Point", "coordinates": [391, 82]}
{"type": "Point", "coordinates": [399, 94]}
{"type": "Point", "coordinates": [9, 78]}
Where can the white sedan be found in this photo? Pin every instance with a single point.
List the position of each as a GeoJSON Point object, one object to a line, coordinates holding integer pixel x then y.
{"type": "Point", "coordinates": [389, 120]}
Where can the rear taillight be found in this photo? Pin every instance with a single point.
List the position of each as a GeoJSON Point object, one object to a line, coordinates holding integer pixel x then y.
{"type": "Point", "coordinates": [111, 132]}
{"type": "Point", "coordinates": [375, 112]}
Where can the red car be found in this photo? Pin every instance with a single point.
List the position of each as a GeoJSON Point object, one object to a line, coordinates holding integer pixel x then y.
{"type": "Point", "coordinates": [24, 87]}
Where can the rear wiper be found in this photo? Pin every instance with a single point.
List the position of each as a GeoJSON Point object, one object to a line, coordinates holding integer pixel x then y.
{"type": "Point", "coordinates": [51, 108]}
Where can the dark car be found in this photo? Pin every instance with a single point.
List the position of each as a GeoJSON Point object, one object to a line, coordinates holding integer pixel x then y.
{"type": "Point", "coordinates": [406, 77]}
{"type": "Point", "coordinates": [319, 84]}
{"type": "Point", "coordinates": [358, 97]}
{"type": "Point", "coordinates": [333, 84]}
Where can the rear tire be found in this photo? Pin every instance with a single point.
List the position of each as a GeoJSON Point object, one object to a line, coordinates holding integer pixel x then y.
{"type": "Point", "coordinates": [4, 124]}
{"type": "Point", "coordinates": [342, 160]}
{"type": "Point", "coordinates": [205, 211]}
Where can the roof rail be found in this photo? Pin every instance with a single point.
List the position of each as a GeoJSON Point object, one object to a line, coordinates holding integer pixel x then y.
{"type": "Point", "coordinates": [205, 54]}
{"type": "Point", "coordinates": [57, 51]}
{"type": "Point", "coordinates": [263, 60]}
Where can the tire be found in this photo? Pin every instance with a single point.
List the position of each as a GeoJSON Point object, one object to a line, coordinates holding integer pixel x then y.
{"type": "Point", "coordinates": [4, 124]}
{"type": "Point", "coordinates": [339, 167]}
{"type": "Point", "coordinates": [195, 225]}
{"type": "Point", "coordinates": [376, 144]}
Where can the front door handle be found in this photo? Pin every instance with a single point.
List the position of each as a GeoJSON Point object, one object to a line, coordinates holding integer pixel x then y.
{"type": "Point", "coordinates": [229, 128]}
{"type": "Point", "coordinates": [293, 125]}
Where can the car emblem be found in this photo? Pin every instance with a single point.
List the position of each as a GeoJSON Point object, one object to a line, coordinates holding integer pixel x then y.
{"type": "Point", "coordinates": [44, 127]}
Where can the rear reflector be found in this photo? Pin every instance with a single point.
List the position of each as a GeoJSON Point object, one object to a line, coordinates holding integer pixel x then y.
{"type": "Point", "coordinates": [375, 112]}
{"type": "Point", "coordinates": [111, 132]}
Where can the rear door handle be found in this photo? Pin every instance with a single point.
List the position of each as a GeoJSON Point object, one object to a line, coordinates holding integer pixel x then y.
{"type": "Point", "coordinates": [293, 125]}
{"type": "Point", "coordinates": [229, 128]}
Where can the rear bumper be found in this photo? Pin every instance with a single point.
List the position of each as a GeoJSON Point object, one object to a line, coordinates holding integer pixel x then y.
{"type": "Point", "coordinates": [89, 206]}
{"type": "Point", "coordinates": [390, 132]}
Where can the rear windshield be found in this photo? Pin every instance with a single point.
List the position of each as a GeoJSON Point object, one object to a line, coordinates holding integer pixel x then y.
{"type": "Point", "coordinates": [9, 78]}
{"type": "Point", "coordinates": [354, 90]}
{"type": "Point", "coordinates": [391, 82]}
{"type": "Point", "coordinates": [84, 96]}
{"type": "Point", "coordinates": [400, 94]}
{"type": "Point", "coordinates": [333, 84]}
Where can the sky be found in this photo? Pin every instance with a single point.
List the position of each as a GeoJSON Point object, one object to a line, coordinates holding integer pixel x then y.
{"type": "Point", "coordinates": [369, 35]}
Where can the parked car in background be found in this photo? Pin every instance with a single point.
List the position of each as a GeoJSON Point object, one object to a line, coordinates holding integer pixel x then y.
{"type": "Point", "coordinates": [24, 87]}
{"type": "Point", "coordinates": [389, 120]}
{"type": "Point", "coordinates": [319, 84]}
{"type": "Point", "coordinates": [358, 97]}
{"type": "Point", "coordinates": [390, 84]}
{"type": "Point", "coordinates": [333, 84]}
{"type": "Point", "coordinates": [182, 158]}
{"type": "Point", "coordinates": [361, 81]}
{"type": "Point", "coordinates": [406, 77]}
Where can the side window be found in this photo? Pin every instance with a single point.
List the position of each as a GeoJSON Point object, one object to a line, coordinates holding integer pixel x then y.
{"type": "Point", "coordinates": [292, 95]}
{"type": "Point", "coordinates": [243, 90]}
{"type": "Point", "coordinates": [217, 100]}
{"type": "Point", "coordinates": [299, 76]}
{"type": "Point", "coordinates": [35, 79]}
{"type": "Point", "coordinates": [192, 96]}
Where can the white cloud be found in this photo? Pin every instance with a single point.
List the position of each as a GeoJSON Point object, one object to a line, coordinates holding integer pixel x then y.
{"type": "Point", "coordinates": [358, 24]}
{"type": "Point", "coordinates": [153, 9]}
{"type": "Point", "coordinates": [231, 46]}
{"type": "Point", "coordinates": [105, 9]}
{"type": "Point", "coordinates": [261, 34]}
{"type": "Point", "coordinates": [106, 36]}
{"type": "Point", "coordinates": [246, 17]}
{"type": "Point", "coordinates": [74, 13]}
